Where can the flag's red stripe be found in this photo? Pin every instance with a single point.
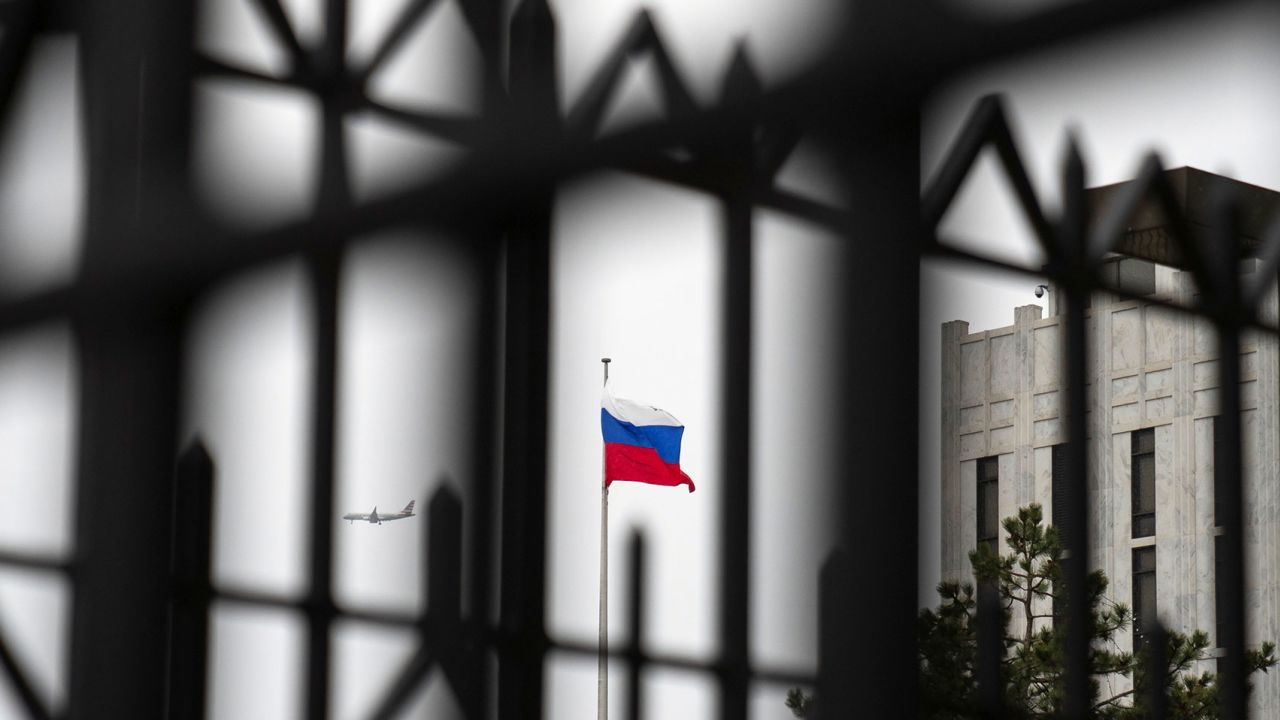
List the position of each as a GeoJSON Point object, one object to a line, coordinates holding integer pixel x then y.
{"type": "Point", "coordinates": [637, 464]}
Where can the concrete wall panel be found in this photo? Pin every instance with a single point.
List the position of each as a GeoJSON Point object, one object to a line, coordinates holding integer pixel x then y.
{"type": "Point", "coordinates": [1002, 412]}
{"type": "Point", "coordinates": [1126, 339]}
{"type": "Point", "coordinates": [1159, 381]}
{"type": "Point", "coordinates": [1004, 366]}
{"type": "Point", "coordinates": [1048, 358]}
{"type": "Point", "coordinates": [973, 373]}
{"type": "Point", "coordinates": [1161, 334]}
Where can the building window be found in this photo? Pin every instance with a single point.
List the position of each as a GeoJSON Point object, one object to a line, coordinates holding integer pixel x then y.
{"type": "Point", "coordinates": [1060, 594]}
{"type": "Point", "coordinates": [1144, 593]}
{"type": "Point", "coordinates": [1059, 512]}
{"type": "Point", "coordinates": [1144, 483]}
{"type": "Point", "coordinates": [1218, 486]}
{"type": "Point", "coordinates": [1058, 517]}
{"type": "Point", "coordinates": [988, 502]}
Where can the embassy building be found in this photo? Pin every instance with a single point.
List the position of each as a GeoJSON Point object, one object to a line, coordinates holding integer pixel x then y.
{"type": "Point", "coordinates": [1153, 435]}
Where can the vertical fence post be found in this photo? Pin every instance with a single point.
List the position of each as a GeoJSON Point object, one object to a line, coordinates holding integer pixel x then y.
{"type": "Point", "coordinates": [836, 640]}
{"type": "Point", "coordinates": [740, 85]}
{"type": "Point", "coordinates": [990, 649]}
{"type": "Point", "coordinates": [1157, 700]}
{"type": "Point", "coordinates": [325, 267]}
{"type": "Point", "coordinates": [1223, 261]}
{"type": "Point", "coordinates": [875, 140]}
{"type": "Point", "coordinates": [482, 512]}
{"type": "Point", "coordinates": [128, 376]}
{"type": "Point", "coordinates": [189, 618]}
{"type": "Point", "coordinates": [635, 653]}
{"type": "Point", "coordinates": [325, 69]}
{"type": "Point", "coordinates": [1076, 283]}
{"type": "Point", "coordinates": [134, 63]}
{"type": "Point", "coordinates": [487, 20]}
{"type": "Point", "coordinates": [533, 129]}
{"type": "Point", "coordinates": [445, 633]}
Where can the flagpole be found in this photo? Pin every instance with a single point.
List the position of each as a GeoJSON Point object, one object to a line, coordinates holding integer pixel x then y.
{"type": "Point", "coordinates": [602, 680]}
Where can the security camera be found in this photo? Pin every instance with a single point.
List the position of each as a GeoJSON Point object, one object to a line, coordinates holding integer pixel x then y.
{"type": "Point", "coordinates": [1041, 290]}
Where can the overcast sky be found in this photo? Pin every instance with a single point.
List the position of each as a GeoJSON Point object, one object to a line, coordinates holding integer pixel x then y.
{"type": "Point", "coordinates": [636, 278]}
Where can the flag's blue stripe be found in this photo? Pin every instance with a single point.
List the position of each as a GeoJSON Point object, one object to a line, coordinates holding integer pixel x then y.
{"type": "Point", "coordinates": [663, 438]}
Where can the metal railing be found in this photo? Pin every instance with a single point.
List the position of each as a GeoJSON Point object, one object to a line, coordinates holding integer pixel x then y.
{"type": "Point", "coordinates": [140, 573]}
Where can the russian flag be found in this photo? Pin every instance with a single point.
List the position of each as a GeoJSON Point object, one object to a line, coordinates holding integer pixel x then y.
{"type": "Point", "coordinates": [641, 443]}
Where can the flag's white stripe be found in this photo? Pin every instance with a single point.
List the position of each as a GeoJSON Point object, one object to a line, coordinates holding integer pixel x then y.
{"type": "Point", "coordinates": [635, 413]}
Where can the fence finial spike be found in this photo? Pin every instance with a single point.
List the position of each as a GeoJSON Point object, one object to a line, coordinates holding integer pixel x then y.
{"type": "Point", "coordinates": [443, 556]}
{"type": "Point", "coordinates": [741, 81]}
{"type": "Point", "coordinates": [645, 24]}
{"type": "Point", "coordinates": [533, 13]}
{"type": "Point", "coordinates": [196, 452]}
{"type": "Point", "coordinates": [1073, 157]}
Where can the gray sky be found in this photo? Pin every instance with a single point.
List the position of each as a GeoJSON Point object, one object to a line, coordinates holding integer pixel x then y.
{"type": "Point", "coordinates": [1198, 89]}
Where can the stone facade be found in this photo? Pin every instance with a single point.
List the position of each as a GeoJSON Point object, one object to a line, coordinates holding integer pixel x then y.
{"type": "Point", "coordinates": [1149, 367]}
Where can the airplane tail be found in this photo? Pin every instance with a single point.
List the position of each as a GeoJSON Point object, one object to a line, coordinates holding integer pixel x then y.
{"type": "Point", "coordinates": [408, 509]}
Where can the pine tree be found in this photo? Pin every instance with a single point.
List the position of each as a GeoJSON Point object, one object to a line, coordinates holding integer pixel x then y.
{"type": "Point", "coordinates": [798, 702]}
{"type": "Point", "coordinates": [1029, 584]}
{"type": "Point", "coordinates": [1029, 581]}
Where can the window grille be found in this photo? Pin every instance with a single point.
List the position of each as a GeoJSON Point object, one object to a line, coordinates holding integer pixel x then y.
{"type": "Point", "coordinates": [989, 502]}
{"type": "Point", "coordinates": [1059, 480]}
{"type": "Point", "coordinates": [1144, 594]}
{"type": "Point", "coordinates": [1144, 483]}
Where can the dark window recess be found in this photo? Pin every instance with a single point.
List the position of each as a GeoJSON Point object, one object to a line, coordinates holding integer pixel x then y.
{"type": "Point", "coordinates": [1218, 557]}
{"type": "Point", "coordinates": [1144, 483]}
{"type": "Point", "coordinates": [988, 502]}
{"type": "Point", "coordinates": [1059, 510]}
{"type": "Point", "coordinates": [987, 590]}
{"type": "Point", "coordinates": [1144, 593]}
{"type": "Point", "coordinates": [1059, 595]}
{"type": "Point", "coordinates": [1218, 487]}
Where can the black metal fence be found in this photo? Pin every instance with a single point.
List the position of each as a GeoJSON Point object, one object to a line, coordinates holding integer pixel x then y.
{"type": "Point", "coordinates": [140, 573]}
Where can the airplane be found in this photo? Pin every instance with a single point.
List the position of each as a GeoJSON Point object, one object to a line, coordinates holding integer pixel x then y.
{"type": "Point", "coordinates": [374, 517]}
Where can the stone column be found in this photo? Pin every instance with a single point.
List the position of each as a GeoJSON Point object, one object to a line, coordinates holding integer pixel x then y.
{"type": "Point", "coordinates": [1024, 461]}
{"type": "Point", "coordinates": [953, 545]}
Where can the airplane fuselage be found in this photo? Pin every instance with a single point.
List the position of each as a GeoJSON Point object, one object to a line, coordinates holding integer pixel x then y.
{"type": "Point", "coordinates": [379, 518]}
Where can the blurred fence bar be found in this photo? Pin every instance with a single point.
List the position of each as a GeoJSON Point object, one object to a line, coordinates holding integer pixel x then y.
{"type": "Point", "coordinates": [528, 291]}
{"type": "Point", "coordinates": [736, 158]}
{"type": "Point", "coordinates": [635, 624]}
{"type": "Point", "coordinates": [1069, 257]}
{"type": "Point", "coordinates": [140, 573]}
{"type": "Point", "coordinates": [876, 390]}
{"type": "Point", "coordinates": [192, 550]}
{"type": "Point", "coordinates": [129, 357]}
{"type": "Point", "coordinates": [1221, 279]}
